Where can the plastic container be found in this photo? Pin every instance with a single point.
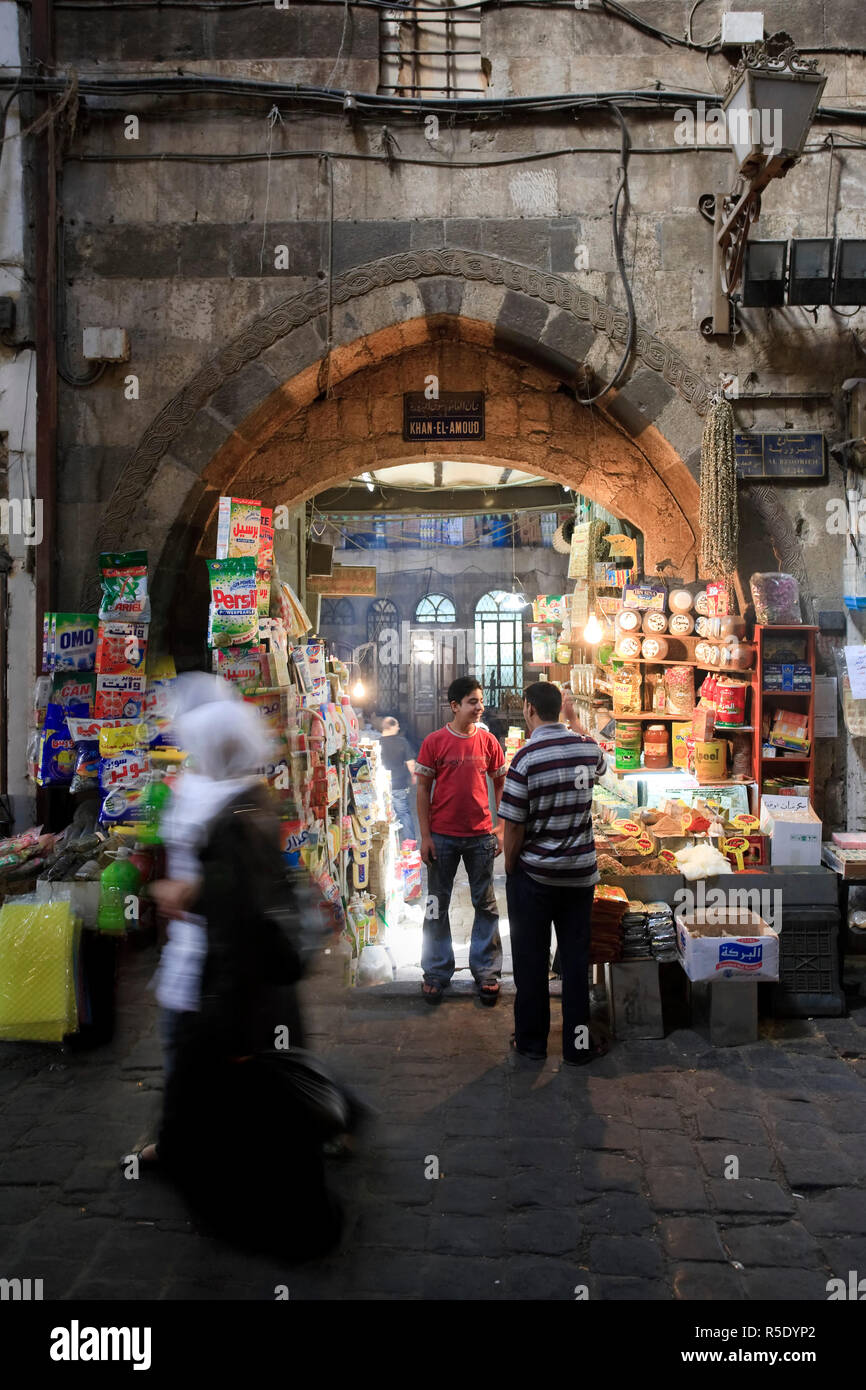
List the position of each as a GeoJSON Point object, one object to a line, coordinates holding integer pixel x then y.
{"type": "Point", "coordinates": [776, 598]}
{"type": "Point", "coordinates": [681, 625]}
{"type": "Point", "coordinates": [628, 620]}
{"type": "Point", "coordinates": [543, 644]}
{"type": "Point", "coordinates": [655, 622]}
{"type": "Point", "coordinates": [628, 742]}
{"type": "Point", "coordinates": [628, 647]}
{"type": "Point", "coordinates": [627, 759]}
{"type": "Point", "coordinates": [654, 649]}
{"type": "Point", "coordinates": [119, 882]}
{"type": "Point", "coordinates": [680, 601]}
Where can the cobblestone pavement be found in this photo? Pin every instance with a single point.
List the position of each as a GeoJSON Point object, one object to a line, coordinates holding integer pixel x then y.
{"type": "Point", "coordinates": [610, 1177]}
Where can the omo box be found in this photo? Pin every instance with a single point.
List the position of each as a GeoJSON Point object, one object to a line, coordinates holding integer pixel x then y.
{"type": "Point", "coordinates": [727, 943]}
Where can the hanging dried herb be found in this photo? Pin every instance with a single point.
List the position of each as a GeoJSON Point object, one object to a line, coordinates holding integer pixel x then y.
{"type": "Point", "coordinates": [719, 521]}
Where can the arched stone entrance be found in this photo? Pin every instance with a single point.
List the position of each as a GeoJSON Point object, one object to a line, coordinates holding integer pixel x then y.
{"type": "Point", "coordinates": [275, 412]}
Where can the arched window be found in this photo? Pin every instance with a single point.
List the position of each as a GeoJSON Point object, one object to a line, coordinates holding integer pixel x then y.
{"type": "Point", "coordinates": [383, 628]}
{"type": "Point", "coordinates": [498, 646]}
{"type": "Point", "coordinates": [435, 608]}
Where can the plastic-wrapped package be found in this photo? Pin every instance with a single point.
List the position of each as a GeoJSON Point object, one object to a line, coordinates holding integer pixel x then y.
{"type": "Point", "coordinates": [627, 691]}
{"type": "Point", "coordinates": [124, 587]}
{"type": "Point", "coordinates": [853, 711]}
{"type": "Point", "coordinates": [85, 737]}
{"type": "Point", "coordinates": [38, 948]}
{"type": "Point", "coordinates": [55, 759]}
{"type": "Point", "coordinates": [374, 966]}
{"type": "Point", "coordinates": [776, 598]}
{"type": "Point", "coordinates": [680, 689]}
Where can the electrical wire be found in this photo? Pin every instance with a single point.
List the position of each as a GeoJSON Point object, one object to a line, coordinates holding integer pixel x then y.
{"type": "Point", "coordinates": [618, 242]}
{"type": "Point", "coordinates": [375, 105]}
{"type": "Point", "coordinates": [610, 7]}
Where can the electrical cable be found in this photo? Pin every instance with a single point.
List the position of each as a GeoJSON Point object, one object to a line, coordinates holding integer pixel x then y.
{"type": "Point", "coordinates": [618, 241]}
{"type": "Point", "coordinates": [66, 372]}
{"type": "Point", "coordinates": [610, 7]}
{"type": "Point", "coordinates": [711, 43]}
{"type": "Point", "coordinates": [376, 105]}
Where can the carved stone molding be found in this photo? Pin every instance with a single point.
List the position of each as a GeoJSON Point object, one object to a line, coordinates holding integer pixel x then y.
{"type": "Point", "coordinates": [301, 308]}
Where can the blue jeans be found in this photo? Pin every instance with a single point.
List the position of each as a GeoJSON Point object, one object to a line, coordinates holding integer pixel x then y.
{"type": "Point", "coordinates": [403, 802]}
{"type": "Point", "coordinates": [485, 950]}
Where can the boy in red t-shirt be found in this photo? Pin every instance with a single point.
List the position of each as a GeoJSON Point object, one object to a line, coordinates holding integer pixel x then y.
{"type": "Point", "coordinates": [455, 824]}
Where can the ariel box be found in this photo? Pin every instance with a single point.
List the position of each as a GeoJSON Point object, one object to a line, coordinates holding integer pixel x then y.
{"type": "Point", "coordinates": [726, 943]}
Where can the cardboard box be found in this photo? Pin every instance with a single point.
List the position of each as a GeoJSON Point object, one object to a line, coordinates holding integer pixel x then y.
{"type": "Point", "coordinates": [784, 676]}
{"type": "Point", "coordinates": [725, 943]}
{"type": "Point", "coordinates": [793, 828]}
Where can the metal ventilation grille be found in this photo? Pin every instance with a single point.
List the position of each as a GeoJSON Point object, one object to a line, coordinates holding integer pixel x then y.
{"type": "Point", "coordinates": [428, 50]}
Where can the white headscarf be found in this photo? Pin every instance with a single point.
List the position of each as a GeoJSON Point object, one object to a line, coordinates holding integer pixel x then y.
{"type": "Point", "coordinates": [228, 744]}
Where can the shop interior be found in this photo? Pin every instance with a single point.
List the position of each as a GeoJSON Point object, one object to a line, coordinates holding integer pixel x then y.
{"type": "Point", "coordinates": [706, 695]}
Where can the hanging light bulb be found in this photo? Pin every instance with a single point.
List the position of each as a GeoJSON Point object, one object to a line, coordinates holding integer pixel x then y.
{"type": "Point", "coordinates": [358, 690]}
{"type": "Point", "coordinates": [593, 632]}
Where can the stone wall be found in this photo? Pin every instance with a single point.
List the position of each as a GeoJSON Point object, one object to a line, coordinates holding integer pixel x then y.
{"type": "Point", "coordinates": [185, 254]}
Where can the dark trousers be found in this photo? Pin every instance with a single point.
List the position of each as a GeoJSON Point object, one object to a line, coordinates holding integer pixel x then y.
{"type": "Point", "coordinates": [532, 907]}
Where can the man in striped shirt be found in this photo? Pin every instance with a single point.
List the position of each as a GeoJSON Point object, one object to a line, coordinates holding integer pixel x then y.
{"type": "Point", "coordinates": [551, 872]}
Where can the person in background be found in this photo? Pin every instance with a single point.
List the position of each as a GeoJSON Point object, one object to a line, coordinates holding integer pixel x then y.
{"type": "Point", "coordinates": [455, 823]}
{"type": "Point", "coordinates": [551, 871]}
{"type": "Point", "coordinates": [398, 758]}
{"type": "Point", "coordinates": [226, 1110]}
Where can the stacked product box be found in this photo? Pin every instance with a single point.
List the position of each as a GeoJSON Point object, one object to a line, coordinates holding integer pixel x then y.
{"type": "Point", "coordinates": [787, 676]}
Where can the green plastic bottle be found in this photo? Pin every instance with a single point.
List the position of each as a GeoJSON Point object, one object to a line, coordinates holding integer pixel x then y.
{"type": "Point", "coordinates": [119, 882]}
{"type": "Point", "coordinates": [155, 800]}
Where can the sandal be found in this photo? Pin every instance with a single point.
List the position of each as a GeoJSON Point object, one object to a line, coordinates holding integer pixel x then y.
{"type": "Point", "coordinates": [533, 1056]}
{"type": "Point", "coordinates": [151, 1161]}
{"type": "Point", "coordinates": [488, 994]}
{"type": "Point", "coordinates": [590, 1054]}
{"type": "Point", "coordinates": [432, 993]}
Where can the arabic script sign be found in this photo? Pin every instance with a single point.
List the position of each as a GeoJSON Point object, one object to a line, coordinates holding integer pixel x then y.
{"type": "Point", "coordinates": [787, 455]}
{"type": "Point", "coordinates": [454, 415]}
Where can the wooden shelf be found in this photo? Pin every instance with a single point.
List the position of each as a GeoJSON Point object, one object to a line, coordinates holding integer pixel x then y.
{"type": "Point", "coordinates": [787, 758]}
{"type": "Point", "coordinates": [668, 661]}
{"type": "Point", "coordinates": [798, 765]}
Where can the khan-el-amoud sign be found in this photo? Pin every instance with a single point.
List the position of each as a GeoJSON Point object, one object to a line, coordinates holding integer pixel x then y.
{"type": "Point", "coordinates": [453, 415]}
{"type": "Point", "coordinates": [787, 455]}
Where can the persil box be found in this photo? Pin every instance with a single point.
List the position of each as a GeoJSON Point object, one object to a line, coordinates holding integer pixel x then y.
{"type": "Point", "coordinates": [727, 943]}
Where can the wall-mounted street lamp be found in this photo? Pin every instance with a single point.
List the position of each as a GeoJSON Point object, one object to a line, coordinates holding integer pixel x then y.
{"type": "Point", "coordinates": [769, 106]}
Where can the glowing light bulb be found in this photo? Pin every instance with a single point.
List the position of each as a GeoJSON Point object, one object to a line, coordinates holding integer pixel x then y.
{"type": "Point", "coordinates": [593, 632]}
{"type": "Point", "coordinates": [358, 690]}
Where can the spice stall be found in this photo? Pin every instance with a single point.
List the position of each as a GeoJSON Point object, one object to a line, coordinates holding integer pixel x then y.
{"type": "Point", "coordinates": [704, 824]}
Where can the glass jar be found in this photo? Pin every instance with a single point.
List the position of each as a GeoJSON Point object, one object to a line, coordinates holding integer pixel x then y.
{"type": "Point", "coordinates": [656, 750]}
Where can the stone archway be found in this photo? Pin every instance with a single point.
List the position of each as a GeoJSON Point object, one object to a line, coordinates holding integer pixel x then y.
{"type": "Point", "coordinates": [218, 428]}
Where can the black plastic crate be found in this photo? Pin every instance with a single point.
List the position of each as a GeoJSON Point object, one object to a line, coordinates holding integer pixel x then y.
{"type": "Point", "coordinates": [809, 981]}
